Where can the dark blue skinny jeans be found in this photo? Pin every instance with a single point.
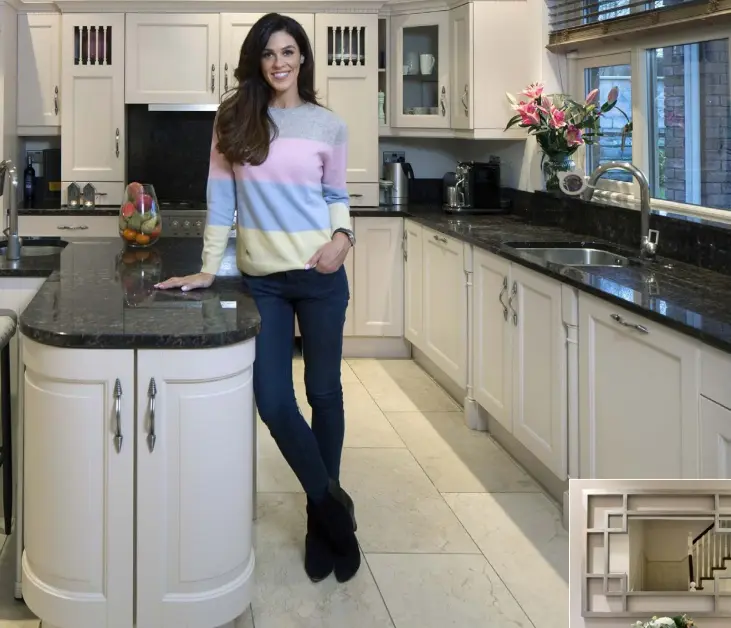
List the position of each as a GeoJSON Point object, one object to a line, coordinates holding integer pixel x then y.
{"type": "Point", "coordinates": [319, 301]}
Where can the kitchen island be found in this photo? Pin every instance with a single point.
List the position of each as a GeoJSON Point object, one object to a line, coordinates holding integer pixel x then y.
{"type": "Point", "coordinates": [138, 441]}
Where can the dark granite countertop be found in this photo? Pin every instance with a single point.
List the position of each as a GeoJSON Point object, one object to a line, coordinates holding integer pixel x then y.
{"type": "Point", "coordinates": [687, 298]}
{"type": "Point", "coordinates": [102, 296]}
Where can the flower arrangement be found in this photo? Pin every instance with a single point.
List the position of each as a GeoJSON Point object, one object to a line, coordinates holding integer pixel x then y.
{"type": "Point", "coordinates": [561, 125]}
{"type": "Point", "coordinates": [666, 622]}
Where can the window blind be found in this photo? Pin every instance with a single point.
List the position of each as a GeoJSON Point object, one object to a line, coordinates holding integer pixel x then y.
{"type": "Point", "coordinates": [570, 14]}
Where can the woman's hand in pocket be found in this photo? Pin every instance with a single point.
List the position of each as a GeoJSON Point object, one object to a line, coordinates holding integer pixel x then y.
{"type": "Point", "coordinates": [189, 282]}
{"type": "Point", "coordinates": [331, 256]}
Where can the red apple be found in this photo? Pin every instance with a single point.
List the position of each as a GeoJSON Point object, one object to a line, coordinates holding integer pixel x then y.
{"type": "Point", "coordinates": [144, 203]}
{"type": "Point", "coordinates": [127, 210]}
{"type": "Point", "coordinates": [134, 189]}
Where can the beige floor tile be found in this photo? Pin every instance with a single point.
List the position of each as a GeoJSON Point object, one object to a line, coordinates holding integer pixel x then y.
{"type": "Point", "coordinates": [15, 612]}
{"type": "Point", "coordinates": [22, 623]}
{"type": "Point", "coordinates": [522, 537]}
{"type": "Point", "coordinates": [401, 386]}
{"type": "Point", "coordinates": [365, 423]}
{"type": "Point", "coordinates": [273, 474]}
{"type": "Point", "coordinates": [284, 596]}
{"type": "Point", "coordinates": [397, 507]}
{"type": "Point", "coordinates": [434, 591]}
{"type": "Point", "coordinates": [456, 458]}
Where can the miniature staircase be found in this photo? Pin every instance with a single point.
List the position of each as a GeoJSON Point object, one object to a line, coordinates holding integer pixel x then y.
{"type": "Point", "coordinates": [709, 556]}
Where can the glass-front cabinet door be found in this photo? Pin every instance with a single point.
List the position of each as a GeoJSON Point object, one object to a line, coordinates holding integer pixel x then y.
{"type": "Point", "coordinates": [420, 70]}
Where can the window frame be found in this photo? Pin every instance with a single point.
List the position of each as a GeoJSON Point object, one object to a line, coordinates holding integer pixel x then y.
{"type": "Point", "coordinates": [577, 88]}
{"type": "Point", "coordinates": [595, 55]}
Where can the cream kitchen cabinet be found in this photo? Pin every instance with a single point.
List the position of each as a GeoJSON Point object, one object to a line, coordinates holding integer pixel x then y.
{"type": "Point", "coordinates": [413, 282]}
{"type": "Point", "coordinates": [349, 328]}
{"type": "Point", "coordinates": [379, 277]}
{"type": "Point", "coordinates": [346, 79]}
{"type": "Point", "coordinates": [234, 29]}
{"type": "Point", "coordinates": [118, 524]}
{"type": "Point", "coordinates": [462, 62]}
{"type": "Point", "coordinates": [69, 226]}
{"type": "Point", "coordinates": [714, 440]}
{"type": "Point", "coordinates": [638, 396]}
{"type": "Point", "coordinates": [420, 70]}
{"type": "Point", "coordinates": [92, 87]}
{"type": "Point", "coordinates": [39, 73]}
{"type": "Point", "coordinates": [444, 295]}
{"type": "Point", "coordinates": [519, 357]}
{"type": "Point", "coordinates": [172, 58]}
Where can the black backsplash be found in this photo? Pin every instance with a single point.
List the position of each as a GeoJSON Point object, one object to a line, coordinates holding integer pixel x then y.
{"type": "Point", "coordinates": [170, 150]}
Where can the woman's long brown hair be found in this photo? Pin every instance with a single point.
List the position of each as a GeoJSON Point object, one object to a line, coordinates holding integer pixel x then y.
{"type": "Point", "coordinates": [243, 124]}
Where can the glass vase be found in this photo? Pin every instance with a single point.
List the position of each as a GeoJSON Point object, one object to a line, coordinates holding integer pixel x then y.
{"type": "Point", "coordinates": [140, 224]}
{"type": "Point", "coordinates": [552, 165]}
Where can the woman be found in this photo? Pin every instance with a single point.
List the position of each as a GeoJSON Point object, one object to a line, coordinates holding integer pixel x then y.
{"type": "Point", "coordinates": [281, 158]}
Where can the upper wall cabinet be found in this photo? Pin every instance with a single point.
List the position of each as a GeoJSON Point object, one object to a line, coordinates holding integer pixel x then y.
{"type": "Point", "coordinates": [234, 29]}
{"type": "Point", "coordinates": [92, 86]}
{"type": "Point", "coordinates": [39, 73]}
{"type": "Point", "coordinates": [172, 58]}
{"type": "Point", "coordinates": [420, 70]}
{"type": "Point", "coordinates": [346, 79]}
{"type": "Point", "coordinates": [187, 58]}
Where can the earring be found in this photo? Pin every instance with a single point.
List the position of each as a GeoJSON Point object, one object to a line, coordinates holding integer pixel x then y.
{"type": "Point", "coordinates": [302, 59]}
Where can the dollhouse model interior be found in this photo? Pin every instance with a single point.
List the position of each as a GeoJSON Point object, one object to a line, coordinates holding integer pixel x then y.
{"type": "Point", "coordinates": [658, 552]}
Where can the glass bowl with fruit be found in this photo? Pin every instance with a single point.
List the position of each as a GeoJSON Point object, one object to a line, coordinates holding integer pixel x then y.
{"type": "Point", "coordinates": [140, 224]}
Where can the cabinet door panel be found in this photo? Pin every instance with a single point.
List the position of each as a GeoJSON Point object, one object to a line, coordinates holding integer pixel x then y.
{"type": "Point", "coordinates": [379, 277]}
{"type": "Point", "coordinates": [462, 62]}
{"type": "Point", "coordinates": [715, 440]}
{"type": "Point", "coordinates": [78, 489]}
{"type": "Point", "coordinates": [414, 284]}
{"type": "Point", "coordinates": [493, 353]}
{"type": "Point", "coordinates": [92, 116]}
{"type": "Point", "coordinates": [351, 89]}
{"type": "Point", "coordinates": [540, 419]}
{"type": "Point", "coordinates": [194, 488]}
{"type": "Point", "coordinates": [173, 58]}
{"type": "Point", "coordinates": [39, 69]}
{"type": "Point", "coordinates": [638, 393]}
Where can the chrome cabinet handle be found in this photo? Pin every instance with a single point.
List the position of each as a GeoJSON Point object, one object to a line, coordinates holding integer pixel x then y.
{"type": "Point", "coordinates": [118, 416]}
{"type": "Point", "coordinates": [404, 246]}
{"type": "Point", "coordinates": [116, 139]}
{"type": "Point", "coordinates": [513, 295]}
{"type": "Point", "coordinates": [442, 101]}
{"type": "Point", "coordinates": [213, 78]}
{"type": "Point", "coordinates": [464, 100]}
{"type": "Point", "coordinates": [440, 238]}
{"type": "Point", "coordinates": [500, 298]}
{"type": "Point", "coordinates": [355, 195]}
{"type": "Point", "coordinates": [55, 100]}
{"type": "Point", "coordinates": [640, 328]}
{"type": "Point", "coordinates": [72, 227]}
{"type": "Point", "coordinates": [152, 393]}
{"type": "Point", "coordinates": [225, 77]}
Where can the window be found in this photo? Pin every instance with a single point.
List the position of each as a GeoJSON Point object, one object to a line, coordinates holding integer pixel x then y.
{"type": "Point", "coordinates": [689, 126]}
{"type": "Point", "coordinates": [604, 73]}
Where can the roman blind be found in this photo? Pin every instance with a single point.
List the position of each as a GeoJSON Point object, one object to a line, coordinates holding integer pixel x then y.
{"type": "Point", "coordinates": [578, 20]}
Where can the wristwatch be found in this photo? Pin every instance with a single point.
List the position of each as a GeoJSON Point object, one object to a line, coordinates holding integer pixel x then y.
{"type": "Point", "coordinates": [348, 233]}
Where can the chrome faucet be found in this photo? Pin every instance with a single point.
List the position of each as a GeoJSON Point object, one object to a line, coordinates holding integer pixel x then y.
{"type": "Point", "coordinates": [12, 250]}
{"type": "Point", "coordinates": [648, 237]}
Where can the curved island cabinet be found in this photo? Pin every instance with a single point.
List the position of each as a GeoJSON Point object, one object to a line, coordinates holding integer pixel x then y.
{"type": "Point", "coordinates": [138, 443]}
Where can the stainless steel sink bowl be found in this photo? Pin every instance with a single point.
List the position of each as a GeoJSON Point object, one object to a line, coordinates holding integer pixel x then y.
{"type": "Point", "coordinates": [41, 247]}
{"type": "Point", "coordinates": [574, 255]}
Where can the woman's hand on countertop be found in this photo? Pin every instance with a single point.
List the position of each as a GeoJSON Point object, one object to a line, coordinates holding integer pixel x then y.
{"type": "Point", "coordinates": [189, 282]}
{"type": "Point", "coordinates": [331, 256]}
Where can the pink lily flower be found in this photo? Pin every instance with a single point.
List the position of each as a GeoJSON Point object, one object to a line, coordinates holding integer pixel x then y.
{"type": "Point", "coordinates": [573, 136]}
{"type": "Point", "coordinates": [613, 95]}
{"type": "Point", "coordinates": [592, 96]}
{"type": "Point", "coordinates": [533, 91]}
{"type": "Point", "coordinates": [557, 118]}
{"type": "Point", "coordinates": [528, 113]}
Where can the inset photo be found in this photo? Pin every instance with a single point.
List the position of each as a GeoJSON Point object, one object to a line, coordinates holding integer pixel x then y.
{"type": "Point", "coordinates": [650, 553]}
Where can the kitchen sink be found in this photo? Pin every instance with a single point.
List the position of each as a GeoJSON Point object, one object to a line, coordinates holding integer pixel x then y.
{"type": "Point", "coordinates": [40, 247]}
{"type": "Point", "coordinates": [573, 254]}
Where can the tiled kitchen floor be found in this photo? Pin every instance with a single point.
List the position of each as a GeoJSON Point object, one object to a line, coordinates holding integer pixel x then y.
{"type": "Point", "coordinates": [454, 533]}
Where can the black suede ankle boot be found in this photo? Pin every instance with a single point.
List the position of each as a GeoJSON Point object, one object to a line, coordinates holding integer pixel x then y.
{"type": "Point", "coordinates": [319, 559]}
{"type": "Point", "coordinates": [335, 516]}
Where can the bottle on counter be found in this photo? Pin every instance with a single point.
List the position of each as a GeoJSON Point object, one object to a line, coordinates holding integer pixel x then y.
{"type": "Point", "coordinates": [29, 184]}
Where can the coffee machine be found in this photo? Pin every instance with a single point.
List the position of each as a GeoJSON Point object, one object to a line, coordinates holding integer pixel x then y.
{"type": "Point", "coordinates": [478, 189]}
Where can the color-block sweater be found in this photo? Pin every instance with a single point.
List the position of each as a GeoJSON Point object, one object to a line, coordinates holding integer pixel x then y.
{"type": "Point", "coordinates": [287, 207]}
